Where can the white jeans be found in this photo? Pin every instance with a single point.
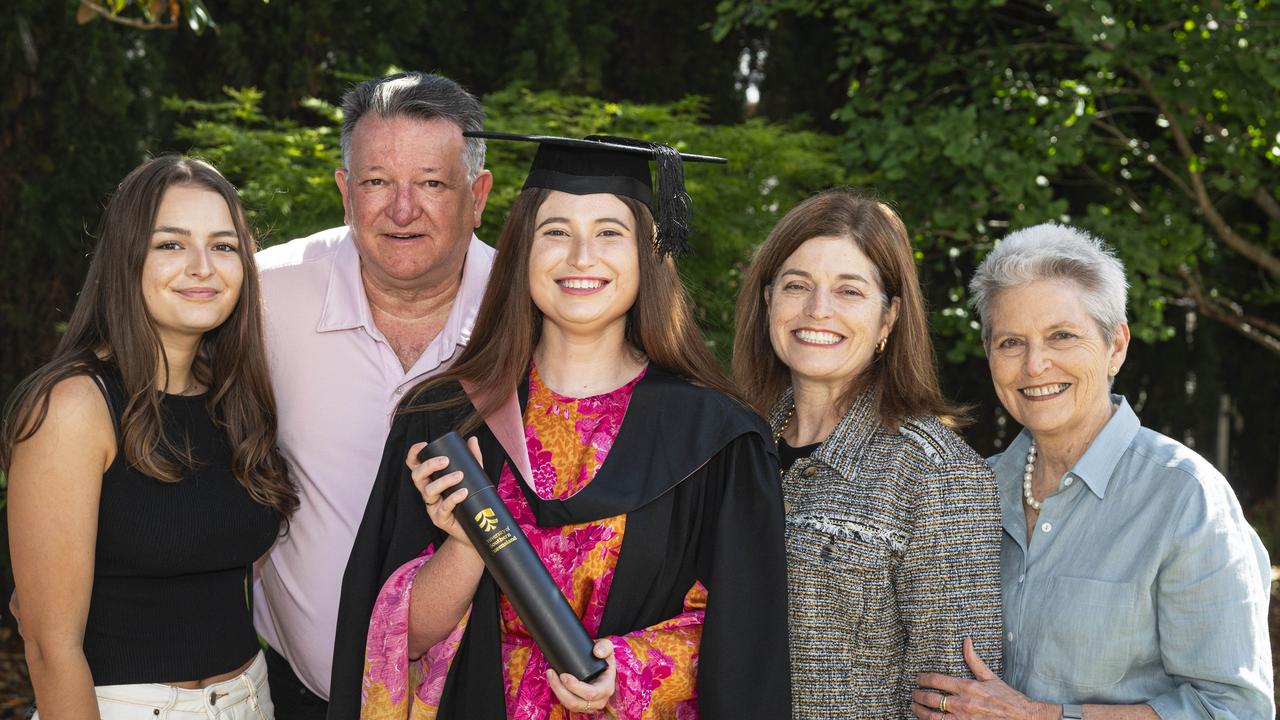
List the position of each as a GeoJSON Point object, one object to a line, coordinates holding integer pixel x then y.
{"type": "Point", "coordinates": [243, 697]}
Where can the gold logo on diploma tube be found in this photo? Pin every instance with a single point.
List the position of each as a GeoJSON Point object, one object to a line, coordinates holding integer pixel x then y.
{"type": "Point", "coordinates": [486, 520]}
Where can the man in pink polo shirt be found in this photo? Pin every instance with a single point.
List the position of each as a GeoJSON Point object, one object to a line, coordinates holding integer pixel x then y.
{"type": "Point", "coordinates": [355, 316]}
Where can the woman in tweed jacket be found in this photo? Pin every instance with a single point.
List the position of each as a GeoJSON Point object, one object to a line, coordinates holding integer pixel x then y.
{"type": "Point", "coordinates": [893, 522]}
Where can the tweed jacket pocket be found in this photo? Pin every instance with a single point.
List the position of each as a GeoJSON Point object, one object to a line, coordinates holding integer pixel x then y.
{"type": "Point", "coordinates": [833, 562]}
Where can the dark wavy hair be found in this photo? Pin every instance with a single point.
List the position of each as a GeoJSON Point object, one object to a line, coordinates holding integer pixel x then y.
{"type": "Point", "coordinates": [111, 325]}
{"type": "Point", "coordinates": [903, 378]}
{"type": "Point", "coordinates": [509, 325]}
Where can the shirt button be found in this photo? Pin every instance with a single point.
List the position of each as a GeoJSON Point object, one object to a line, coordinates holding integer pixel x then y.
{"type": "Point", "coordinates": [1010, 637]}
{"type": "Point", "coordinates": [399, 391]}
{"type": "Point", "coordinates": [1046, 527]}
{"type": "Point", "coordinates": [1022, 577]}
{"type": "Point", "coordinates": [1068, 481]}
{"type": "Point", "coordinates": [811, 471]}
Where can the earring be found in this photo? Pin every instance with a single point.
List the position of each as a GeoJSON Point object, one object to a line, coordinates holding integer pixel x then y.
{"type": "Point", "coordinates": [884, 342]}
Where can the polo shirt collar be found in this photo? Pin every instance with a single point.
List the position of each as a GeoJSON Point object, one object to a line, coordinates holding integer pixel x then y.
{"type": "Point", "coordinates": [466, 307]}
{"type": "Point", "coordinates": [346, 306]}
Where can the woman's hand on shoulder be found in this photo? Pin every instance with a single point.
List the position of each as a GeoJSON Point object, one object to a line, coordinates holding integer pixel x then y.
{"type": "Point", "coordinates": [435, 490]}
{"type": "Point", "coordinates": [592, 697]}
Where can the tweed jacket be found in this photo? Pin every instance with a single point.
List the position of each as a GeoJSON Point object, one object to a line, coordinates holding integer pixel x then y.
{"type": "Point", "coordinates": [893, 557]}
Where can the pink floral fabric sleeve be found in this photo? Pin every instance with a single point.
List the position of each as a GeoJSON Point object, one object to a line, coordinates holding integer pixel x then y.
{"type": "Point", "coordinates": [394, 687]}
{"type": "Point", "coordinates": [658, 666]}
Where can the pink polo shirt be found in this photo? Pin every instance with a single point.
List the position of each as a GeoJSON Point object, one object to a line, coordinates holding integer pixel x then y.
{"type": "Point", "coordinates": [337, 382]}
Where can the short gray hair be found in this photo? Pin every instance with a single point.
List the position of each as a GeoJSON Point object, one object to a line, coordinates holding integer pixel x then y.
{"type": "Point", "coordinates": [1053, 252]}
{"type": "Point", "coordinates": [424, 96]}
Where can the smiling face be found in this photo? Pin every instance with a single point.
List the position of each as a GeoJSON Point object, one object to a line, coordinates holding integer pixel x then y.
{"type": "Point", "coordinates": [584, 269]}
{"type": "Point", "coordinates": [408, 202]}
{"type": "Point", "coordinates": [192, 273]}
{"type": "Point", "coordinates": [1049, 361]}
{"type": "Point", "coordinates": [827, 312]}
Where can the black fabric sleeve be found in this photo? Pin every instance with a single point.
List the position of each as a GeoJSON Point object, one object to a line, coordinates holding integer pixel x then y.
{"type": "Point", "coordinates": [744, 668]}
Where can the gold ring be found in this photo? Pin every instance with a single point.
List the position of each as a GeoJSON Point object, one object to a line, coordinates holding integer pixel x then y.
{"type": "Point", "coordinates": [942, 706]}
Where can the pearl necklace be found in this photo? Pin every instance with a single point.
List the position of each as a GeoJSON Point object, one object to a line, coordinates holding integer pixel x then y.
{"type": "Point", "coordinates": [1027, 472]}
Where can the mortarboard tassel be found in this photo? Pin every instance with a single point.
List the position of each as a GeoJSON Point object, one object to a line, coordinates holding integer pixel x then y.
{"type": "Point", "coordinates": [672, 214]}
{"type": "Point", "coordinates": [673, 202]}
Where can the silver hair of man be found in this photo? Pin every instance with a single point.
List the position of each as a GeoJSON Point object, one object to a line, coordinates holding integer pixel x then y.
{"type": "Point", "coordinates": [424, 96]}
{"type": "Point", "coordinates": [1053, 252]}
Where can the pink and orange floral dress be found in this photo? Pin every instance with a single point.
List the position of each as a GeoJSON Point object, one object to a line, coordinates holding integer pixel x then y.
{"type": "Point", "coordinates": [568, 440]}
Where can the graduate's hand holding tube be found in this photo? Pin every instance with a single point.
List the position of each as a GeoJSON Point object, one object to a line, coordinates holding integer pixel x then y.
{"type": "Point", "coordinates": [509, 556]}
{"type": "Point", "coordinates": [436, 492]}
{"type": "Point", "coordinates": [580, 697]}
{"type": "Point", "coordinates": [448, 580]}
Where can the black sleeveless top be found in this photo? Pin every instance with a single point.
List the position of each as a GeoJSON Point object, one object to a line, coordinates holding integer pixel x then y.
{"type": "Point", "coordinates": [169, 595]}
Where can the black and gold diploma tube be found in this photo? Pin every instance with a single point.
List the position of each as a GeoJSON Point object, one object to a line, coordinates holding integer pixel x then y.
{"type": "Point", "coordinates": [515, 566]}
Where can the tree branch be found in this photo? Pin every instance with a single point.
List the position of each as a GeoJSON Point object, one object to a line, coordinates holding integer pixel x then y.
{"type": "Point", "coordinates": [1264, 332]}
{"type": "Point", "coordinates": [1118, 187]}
{"type": "Point", "coordinates": [1164, 169]}
{"type": "Point", "coordinates": [128, 22]}
{"type": "Point", "coordinates": [1256, 254]}
{"type": "Point", "coordinates": [1125, 110]}
{"type": "Point", "coordinates": [1267, 203]}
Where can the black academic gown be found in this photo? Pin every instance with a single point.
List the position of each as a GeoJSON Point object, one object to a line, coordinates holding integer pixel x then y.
{"type": "Point", "coordinates": [696, 476]}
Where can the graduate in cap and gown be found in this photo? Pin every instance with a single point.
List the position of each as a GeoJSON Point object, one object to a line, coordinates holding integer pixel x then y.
{"type": "Point", "coordinates": [645, 486]}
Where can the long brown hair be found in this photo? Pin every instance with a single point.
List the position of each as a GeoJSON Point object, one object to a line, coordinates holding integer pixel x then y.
{"type": "Point", "coordinates": [111, 324]}
{"type": "Point", "coordinates": [509, 325]}
{"type": "Point", "coordinates": [903, 378]}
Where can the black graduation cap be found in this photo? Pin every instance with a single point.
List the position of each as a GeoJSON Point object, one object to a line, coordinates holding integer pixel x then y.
{"type": "Point", "coordinates": [617, 165]}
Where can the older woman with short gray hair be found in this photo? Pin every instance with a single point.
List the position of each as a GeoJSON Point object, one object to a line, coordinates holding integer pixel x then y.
{"type": "Point", "coordinates": [1132, 585]}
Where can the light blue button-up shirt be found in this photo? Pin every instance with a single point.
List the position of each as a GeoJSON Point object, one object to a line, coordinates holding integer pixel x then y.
{"type": "Point", "coordinates": [1142, 582]}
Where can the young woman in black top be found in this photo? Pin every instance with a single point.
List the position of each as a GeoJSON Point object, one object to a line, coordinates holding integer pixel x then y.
{"type": "Point", "coordinates": [144, 480]}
